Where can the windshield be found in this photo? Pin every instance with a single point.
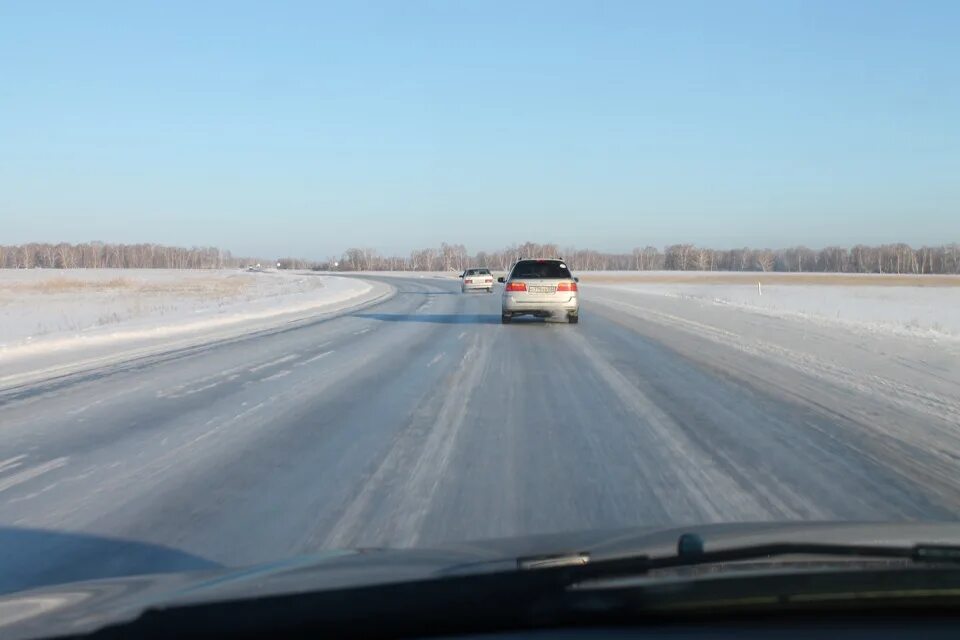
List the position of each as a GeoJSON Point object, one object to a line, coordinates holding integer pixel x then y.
{"type": "Point", "coordinates": [240, 321]}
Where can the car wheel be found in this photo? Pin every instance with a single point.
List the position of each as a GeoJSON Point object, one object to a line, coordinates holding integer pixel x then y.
{"type": "Point", "coordinates": [505, 318]}
{"type": "Point", "coordinates": [573, 319]}
{"type": "Point", "coordinates": [490, 290]}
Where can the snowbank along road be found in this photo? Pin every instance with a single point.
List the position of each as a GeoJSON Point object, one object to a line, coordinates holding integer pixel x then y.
{"type": "Point", "coordinates": [421, 420]}
{"type": "Point", "coordinates": [58, 321]}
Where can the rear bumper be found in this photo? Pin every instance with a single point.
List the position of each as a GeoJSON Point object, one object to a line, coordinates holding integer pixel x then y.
{"type": "Point", "coordinates": [517, 305]}
{"type": "Point", "coordinates": [475, 285]}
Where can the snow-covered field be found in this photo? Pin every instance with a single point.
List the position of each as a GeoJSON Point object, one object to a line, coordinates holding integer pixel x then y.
{"type": "Point", "coordinates": [926, 306]}
{"type": "Point", "coordinates": [63, 311]}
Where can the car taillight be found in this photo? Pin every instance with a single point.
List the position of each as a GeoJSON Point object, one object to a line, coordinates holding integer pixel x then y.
{"type": "Point", "coordinates": [567, 286]}
{"type": "Point", "coordinates": [516, 286]}
{"type": "Point", "coordinates": [468, 282]}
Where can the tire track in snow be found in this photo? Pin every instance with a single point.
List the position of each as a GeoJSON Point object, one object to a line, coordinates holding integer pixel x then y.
{"type": "Point", "coordinates": [710, 493]}
{"type": "Point", "coordinates": [412, 471]}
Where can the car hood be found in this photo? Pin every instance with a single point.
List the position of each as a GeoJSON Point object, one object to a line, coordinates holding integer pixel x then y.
{"type": "Point", "coordinates": [84, 606]}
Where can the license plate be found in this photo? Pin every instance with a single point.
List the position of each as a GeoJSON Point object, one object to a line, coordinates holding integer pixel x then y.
{"type": "Point", "coordinates": [542, 289]}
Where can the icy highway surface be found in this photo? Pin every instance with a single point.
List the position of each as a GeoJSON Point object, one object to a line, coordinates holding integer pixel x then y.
{"type": "Point", "coordinates": [421, 420]}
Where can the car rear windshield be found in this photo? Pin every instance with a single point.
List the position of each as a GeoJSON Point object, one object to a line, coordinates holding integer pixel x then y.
{"type": "Point", "coordinates": [477, 272]}
{"type": "Point", "coordinates": [540, 269]}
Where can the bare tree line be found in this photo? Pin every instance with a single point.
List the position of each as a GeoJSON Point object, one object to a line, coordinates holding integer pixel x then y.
{"type": "Point", "coordinates": [297, 263]}
{"type": "Point", "coordinates": [95, 255]}
{"type": "Point", "coordinates": [889, 258]}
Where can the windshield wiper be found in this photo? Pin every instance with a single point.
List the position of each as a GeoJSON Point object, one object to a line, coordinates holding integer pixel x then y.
{"type": "Point", "coordinates": [578, 567]}
{"type": "Point", "coordinates": [534, 593]}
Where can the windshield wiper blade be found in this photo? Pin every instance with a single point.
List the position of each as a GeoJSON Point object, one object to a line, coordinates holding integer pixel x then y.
{"type": "Point", "coordinates": [535, 592]}
{"type": "Point", "coordinates": [690, 553]}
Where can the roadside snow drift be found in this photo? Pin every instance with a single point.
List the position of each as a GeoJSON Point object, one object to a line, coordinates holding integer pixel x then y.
{"type": "Point", "coordinates": [919, 306]}
{"type": "Point", "coordinates": [44, 311]}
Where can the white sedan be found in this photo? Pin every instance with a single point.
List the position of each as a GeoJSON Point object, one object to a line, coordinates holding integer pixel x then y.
{"type": "Point", "coordinates": [476, 279]}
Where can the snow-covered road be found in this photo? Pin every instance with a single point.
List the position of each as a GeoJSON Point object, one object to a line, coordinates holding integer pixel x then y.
{"type": "Point", "coordinates": [421, 419]}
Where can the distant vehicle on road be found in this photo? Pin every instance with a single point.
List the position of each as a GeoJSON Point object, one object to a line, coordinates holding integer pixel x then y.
{"type": "Point", "coordinates": [540, 288]}
{"type": "Point", "coordinates": [476, 279]}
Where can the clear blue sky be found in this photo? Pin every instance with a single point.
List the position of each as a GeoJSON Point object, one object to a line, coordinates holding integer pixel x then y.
{"type": "Point", "coordinates": [306, 127]}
